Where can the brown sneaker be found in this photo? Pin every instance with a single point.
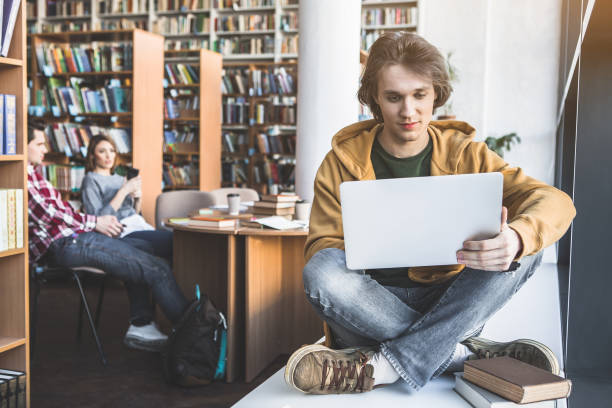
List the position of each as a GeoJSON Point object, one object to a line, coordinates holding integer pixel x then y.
{"type": "Point", "coordinates": [316, 369]}
{"type": "Point", "coordinates": [525, 350]}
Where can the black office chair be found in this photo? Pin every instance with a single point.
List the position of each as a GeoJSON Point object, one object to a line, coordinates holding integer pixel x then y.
{"type": "Point", "coordinates": [40, 274]}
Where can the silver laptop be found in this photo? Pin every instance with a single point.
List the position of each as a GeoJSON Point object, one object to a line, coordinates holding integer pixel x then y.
{"type": "Point", "coordinates": [418, 221]}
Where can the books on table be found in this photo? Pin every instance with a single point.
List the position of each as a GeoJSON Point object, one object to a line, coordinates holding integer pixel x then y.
{"type": "Point", "coordinates": [212, 222]}
{"type": "Point", "coordinates": [480, 398]}
{"type": "Point", "coordinates": [517, 381]}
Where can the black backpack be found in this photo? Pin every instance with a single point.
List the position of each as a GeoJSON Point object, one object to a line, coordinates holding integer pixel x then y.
{"type": "Point", "coordinates": [196, 350]}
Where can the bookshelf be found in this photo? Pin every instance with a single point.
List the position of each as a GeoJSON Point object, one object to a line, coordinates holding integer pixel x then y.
{"type": "Point", "coordinates": [196, 133]}
{"type": "Point", "coordinates": [14, 298]}
{"type": "Point", "coordinates": [239, 29]}
{"type": "Point", "coordinates": [133, 111]}
{"type": "Point", "coordinates": [379, 16]}
{"type": "Point", "coordinates": [259, 132]}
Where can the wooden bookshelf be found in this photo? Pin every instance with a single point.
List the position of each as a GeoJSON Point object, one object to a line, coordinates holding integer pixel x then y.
{"type": "Point", "coordinates": [188, 33]}
{"type": "Point", "coordinates": [250, 156]}
{"type": "Point", "coordinates": [380, 16]}
{"type": "Point", "coordinates": [207, 123]}
{"type": "Point", "coordinates": [14, 276]}
{"type": "Point", "coordinates": [145, 118]}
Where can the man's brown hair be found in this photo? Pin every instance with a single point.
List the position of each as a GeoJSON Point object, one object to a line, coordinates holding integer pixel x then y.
{"type": "Point", "coordinates": [90, 160]}
{"type": "Point", "coordinates": [413, 52]}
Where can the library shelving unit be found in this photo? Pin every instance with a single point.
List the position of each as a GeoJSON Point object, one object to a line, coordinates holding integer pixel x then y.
{"type": "Point", "coordinates": [239, 29]}
{"type": "Point", "coordinates": [379, 16]}
{"type": "Point", "coordinates": [144, 118]}
{"type": "Point", "coordinates": [204, 150]}
{"type": "Point", "coordinates": [14, 299]}
{"type": "Point", "coordinates": [259, 132]}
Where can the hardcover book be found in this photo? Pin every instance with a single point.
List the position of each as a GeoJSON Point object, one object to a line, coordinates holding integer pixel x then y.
{"type": "Point", "coordinates": [515, 380]}
{"type": "Point", "coordinates": [10, 124]}
{"type": "Point", "coordinates": [212, 222]}
{"type": "Point", "coordinates": [10, 10]}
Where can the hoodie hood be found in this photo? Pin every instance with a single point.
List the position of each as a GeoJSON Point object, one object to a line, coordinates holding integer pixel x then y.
{"type": "Point", "coordinates": [353, 144]}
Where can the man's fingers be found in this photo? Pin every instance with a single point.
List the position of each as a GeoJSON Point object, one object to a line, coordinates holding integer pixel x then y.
{"type": "Point", "coordinates": [482, 256]}
{"type": "Point", "coordinates": [504, 217]}
{"type": "Point", "coordinates": [484, 245]}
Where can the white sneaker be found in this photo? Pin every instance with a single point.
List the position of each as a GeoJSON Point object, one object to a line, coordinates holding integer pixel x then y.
{"type": "Point", "coordinates": [147, 338]}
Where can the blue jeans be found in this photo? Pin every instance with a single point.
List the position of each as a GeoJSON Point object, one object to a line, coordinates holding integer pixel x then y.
{"type": "Point", "coordinates": [130, 260]}
{"type": "Point", "coordinates": [417, 329]}
{"type": "Point", "coordinates": [160, 240]}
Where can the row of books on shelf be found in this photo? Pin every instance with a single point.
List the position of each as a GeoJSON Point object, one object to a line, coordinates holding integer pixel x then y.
{"type": "Point", "coordinates": [276, 143]}
{"type": "Point", "coordinates": [235, 111]}
{"type": "Point", "coordinates": [11, 221]}
{"type": "Point", "coordinates": [76, 96]}
{"type": "Point", "coordinates": [235, 4]}
{"type": "Point", "coordinates": [182, 108]}
{"type": "Point", "coordinates": [289, 21]}
{"type": "Point", "coordinates": [389, 16]}
{"type": "Point", "coordinates": [240, 45]}
{"type": "Point", "coordinates": [182, 74]}
{"type": "Point", "coordinates": [280, 172]}
{"type": "Point", "coordinates": [280, 110]}
{"type": "Point", "coordinates": [289, 44]}
{"type": "Point", "coordinates": [123, 6]}
{"type": "Point", "coordinates": [273, 80]}
{"type": "Point", "coordinates": [60, 27]}
{"type": "Point", "coordinates": [65, 8]}
{"type": "Point", "coordinates": [173, 136]}
{"type": "Point", "coordinates": [180, 175]}
{"type": "Point", "coordinates": [188, 24]}
{"type": "Point", "coordinates": [183, 5]}
{"type": "Point", "coordinates": [53, 58]}
{"type": "Point", "coordinates": [187, 44]}
{"type": "Point", "coordinates": [8, 16]}
{"type": "Point", "coordinates": [13, 386]}
{"type": "Point", "coordinates": [122, 24]}
{"type": "Point", "coordinates": [8, 124]}
{"type": "Point", "coordinates": [235, 142]}
{"type": "Point", "coordinates": [72, 139]}
{"type": "Point", "coordinates": [63, 177]}
{"type": "Point", "coordinates": [245, 22]}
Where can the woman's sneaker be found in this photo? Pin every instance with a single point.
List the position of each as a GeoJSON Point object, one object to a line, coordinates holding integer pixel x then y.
{"type": "Point", "coordinates": [316, 369]}
{"type": "Point", "coordinates": [147, 338]}
{"type": "Point", "coordinates": [528, 351]}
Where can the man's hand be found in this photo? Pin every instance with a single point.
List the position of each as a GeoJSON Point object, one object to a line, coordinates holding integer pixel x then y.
{"type": "Point", "coordinates": [495, 254]}
{"type": "Point", "coordinates": [108, 225]}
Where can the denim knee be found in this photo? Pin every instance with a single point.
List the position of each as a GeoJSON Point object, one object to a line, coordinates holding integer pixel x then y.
{"type": "Point", "coordinates": [321, 272]}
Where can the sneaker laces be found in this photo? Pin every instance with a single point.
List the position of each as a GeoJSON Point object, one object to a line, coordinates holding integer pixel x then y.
{"type": "Point", "coordinates": [351, 372]}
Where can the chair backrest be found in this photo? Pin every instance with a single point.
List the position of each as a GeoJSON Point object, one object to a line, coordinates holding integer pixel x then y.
{"type": "Point", "coordinates": [180, 204]}
{"type": "Point", "coordinates": [246, 194]}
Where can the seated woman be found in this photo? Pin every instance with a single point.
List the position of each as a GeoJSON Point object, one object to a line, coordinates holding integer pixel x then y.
{"type": "Point", "coordinates": [106, 193]}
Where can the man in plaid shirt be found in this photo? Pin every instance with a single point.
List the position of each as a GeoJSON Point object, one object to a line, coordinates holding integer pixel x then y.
{"type": "Point", "coordinates": [63, 237]}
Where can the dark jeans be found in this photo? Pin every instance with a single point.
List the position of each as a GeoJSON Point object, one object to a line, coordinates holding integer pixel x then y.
{"type": "Point", "coordinates": [129, 260]}
{"type": "Point", "coordinates": [160, 240]}
{"type": "Point", "coordinates": [417, 329]}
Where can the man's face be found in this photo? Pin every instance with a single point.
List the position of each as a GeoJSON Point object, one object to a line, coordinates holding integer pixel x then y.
{"type": "Point", "coordinates": [37, 148]}
{"type": "Point", "coordinates": [406, 101]}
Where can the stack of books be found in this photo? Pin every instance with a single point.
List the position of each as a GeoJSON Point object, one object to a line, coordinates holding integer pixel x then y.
{"type": "Point", "coordinates": [275, 204]}
{"type": "Point", "coordinates": [12, 388]}
{"type": "Point", "coordinates": [505, 382]}
{"type": "Point", "coordinates": [11, 219]}
{"type": "Point", "coordinates": [212, 221]}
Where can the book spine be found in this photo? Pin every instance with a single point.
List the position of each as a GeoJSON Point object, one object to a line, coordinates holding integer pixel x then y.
{"type": "Point", "coordinates": [10, 124]}
{"type": "Point", "coordinates": [3, 220]}
{"type": "Point", "coordinates": [7, 33]}
{"type": "Point", "coordinates": [19, 218]}
{"type": "Point", "coordinates": [2, 124]}
{"type": "Point", "coordinates": [10, 212]}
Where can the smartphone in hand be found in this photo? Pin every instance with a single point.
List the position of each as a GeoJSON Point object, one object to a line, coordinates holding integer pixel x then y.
{"type": "Point", "coordinates": [132, 172]}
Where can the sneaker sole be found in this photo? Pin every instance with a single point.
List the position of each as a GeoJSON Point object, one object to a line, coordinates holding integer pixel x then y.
{"type": "Point", "coordinates": [134, 343]}
{"type": "Point", "coordinates": [480, 342]}
{"type": "Point", "coordinates": [297, 356]}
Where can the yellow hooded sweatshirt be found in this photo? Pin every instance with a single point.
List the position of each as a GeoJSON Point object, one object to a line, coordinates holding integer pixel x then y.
{"type": "Point", "coordinates": [539, 213]}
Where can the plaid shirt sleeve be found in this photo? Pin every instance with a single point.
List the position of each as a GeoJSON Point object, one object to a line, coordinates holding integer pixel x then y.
{"type": "Point", "coordinates": [45, 204]}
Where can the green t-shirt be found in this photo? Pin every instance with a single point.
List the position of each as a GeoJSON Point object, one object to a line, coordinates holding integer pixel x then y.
{"type": "Point", "coordinates": [387, 166]}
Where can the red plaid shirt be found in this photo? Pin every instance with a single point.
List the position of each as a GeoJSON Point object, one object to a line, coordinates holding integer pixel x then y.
{"type": "Point", "coordinates": [51, 218]}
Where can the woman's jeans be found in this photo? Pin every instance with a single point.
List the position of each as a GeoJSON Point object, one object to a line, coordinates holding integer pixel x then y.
{"type": "Point", "coordinates": [129, 260]}
{"type": "Point", "coordinates": [160, 240]}
{"type": "Point", "coordinates": [417, 329]}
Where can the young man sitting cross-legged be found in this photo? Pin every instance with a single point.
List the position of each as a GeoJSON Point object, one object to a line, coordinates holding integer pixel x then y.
{"type": "Point", "coordinates": [62, 237]}
{"type": "Point", "coordinates": [415, 323]}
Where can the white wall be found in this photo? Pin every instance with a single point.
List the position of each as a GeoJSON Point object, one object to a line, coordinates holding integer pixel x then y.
{"type": "Point", "coordinates": [507, 56]}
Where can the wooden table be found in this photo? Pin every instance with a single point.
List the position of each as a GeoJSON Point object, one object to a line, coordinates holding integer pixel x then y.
{"type": "Point", "coordinates": [255, 277]}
